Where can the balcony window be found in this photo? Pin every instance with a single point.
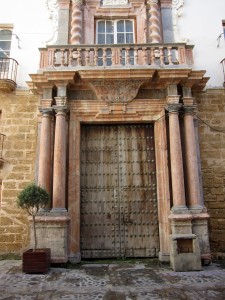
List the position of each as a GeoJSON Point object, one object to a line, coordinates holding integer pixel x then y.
{"type": "Point", "coordinates": [115, 32]}
{"type": "Point", "coordinates": [5, 43]}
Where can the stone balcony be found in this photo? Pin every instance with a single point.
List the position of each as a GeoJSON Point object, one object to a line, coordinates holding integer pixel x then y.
{"type": "Point", "coordinates": [112, 70]}
{"type": "Point", "coordinates": [119, 56]}
{"type": "Point", "coordinates": [8, 73]}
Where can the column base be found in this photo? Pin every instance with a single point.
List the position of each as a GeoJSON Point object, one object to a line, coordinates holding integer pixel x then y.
{"type": "Point", "coordinates": [196, 209]}
{"type": "Point", "coordinates": [75, 258]}
{"type": "Point", "coordinates": [58, 211]}
{"type": "Point", "coordinates": [164, 257]}
{"type": "Point", "coordinates": [179, 209]}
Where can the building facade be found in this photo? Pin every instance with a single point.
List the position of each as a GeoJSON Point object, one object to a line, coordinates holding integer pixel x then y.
{"type": "Point", "coordinates": [113, 118]}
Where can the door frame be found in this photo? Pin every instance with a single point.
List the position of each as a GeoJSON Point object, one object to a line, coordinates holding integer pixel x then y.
{"type": "Point", "coordinates": [92, 115]}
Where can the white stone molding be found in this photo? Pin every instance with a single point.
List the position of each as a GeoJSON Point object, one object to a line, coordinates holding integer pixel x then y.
{"type": "Point", "coordinates": [155, 31]}
{"type": "Point", "coordinates": [52, 6]}
{"type": "Point", "coordinates": [176, 14]}
{"type": "Point", "coordinates": [76, 23]}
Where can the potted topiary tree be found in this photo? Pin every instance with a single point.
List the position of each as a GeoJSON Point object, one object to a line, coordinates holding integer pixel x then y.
{"type": "Point", "coordinates": [32, 198]}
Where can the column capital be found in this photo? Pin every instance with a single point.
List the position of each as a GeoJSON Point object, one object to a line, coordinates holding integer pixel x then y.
{"type": "Point", "coordinates": [189, 104]}
{"type": "Point", "coordinates": [46, 110]}
{"type": "Point", "coordinates": [63, 109]}
{"type": "Point", "coordinates": [173, 107]}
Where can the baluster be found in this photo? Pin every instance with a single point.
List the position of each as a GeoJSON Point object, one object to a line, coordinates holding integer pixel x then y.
{"type": "Point", "coordinates": [144, 49]}
{"type": "Point", "coordinates": [161, 56]}
{"type": "Point", "coordinates": [87, 56]}
{"type": "Point", "coordinates": [136, 61]}
{"type": "Point", "coordinates": [153, 56]}
{"type": "Point", "coordinates": [120, 56]}
{"type": "Point", "coordinates": [50, 59]}
{"type": "Point", "coordinates": [104, 56]}
{"type": "Point", "coordinates": [79, 61]}
{"type": "Point", "coordinates": [70, 58]}
{"type": "Point", "coordinates": [54, 57]}
{"type": "Point", "coordinates": [170, 55]}
{"type": "Point", "coordinates": [127, 56]}
{"type": "Point", "coordinates": [62, 57]}
{"type": "Point", "coordinates": [113, 56]}
{"type": "Point", "coordinates": [95, 56]}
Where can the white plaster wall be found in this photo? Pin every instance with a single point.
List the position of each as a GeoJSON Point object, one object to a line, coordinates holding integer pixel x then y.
{"type": "Point", "coordinates": [33, 27]}
{"type": "Point", "coordinates": [201, 23]}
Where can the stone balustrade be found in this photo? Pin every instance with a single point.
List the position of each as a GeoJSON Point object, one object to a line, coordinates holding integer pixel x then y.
{"type": "Point", "coordinates": [77, 56]}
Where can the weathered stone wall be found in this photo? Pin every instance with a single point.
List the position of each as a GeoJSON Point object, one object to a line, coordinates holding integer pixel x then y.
{"type": "Point", "coordinates": [211, 107]}
{"type": "Point", "coordinates": [19, 124]}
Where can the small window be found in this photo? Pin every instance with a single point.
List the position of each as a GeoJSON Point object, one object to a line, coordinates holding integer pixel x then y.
{"type": "Point", "coordinates": [5, 43]}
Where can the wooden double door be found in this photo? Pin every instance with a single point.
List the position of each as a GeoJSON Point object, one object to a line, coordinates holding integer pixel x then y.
{"type": "Point", "coordinates": [118, 191]}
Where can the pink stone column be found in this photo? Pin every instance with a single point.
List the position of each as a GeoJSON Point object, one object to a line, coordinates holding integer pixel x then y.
{"type": "Point", "coordinates": [154, 22]}
{"type": "Point", "coordinates": [59, 169]}
{"type": "Point", "coordinates": [76, 22]}
{"type": "Point", "coordinates": [193, 183]}
{"type": "Point", "coordinates": [177, 174]}
{"type": "Point", "coordinates": [44, 172]}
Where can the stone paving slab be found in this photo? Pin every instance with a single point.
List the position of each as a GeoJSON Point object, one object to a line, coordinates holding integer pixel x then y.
{"type": "Point", "coordinates": [112, 281]}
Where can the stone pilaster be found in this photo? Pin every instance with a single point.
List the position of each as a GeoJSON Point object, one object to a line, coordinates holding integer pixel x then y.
{"type": "Point", "coordinates": [59, 169]}
{"type": "Point", "coordinates": [44, 174]}
{"type": "Point", "coordinates": [63, 21]}
{"type": "Point", "coordinates": [154, 22]}
{"type": "Point", "coordinates": [76, 22]}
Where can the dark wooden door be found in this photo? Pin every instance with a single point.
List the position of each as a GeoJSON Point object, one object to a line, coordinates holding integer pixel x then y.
{"type": "Point", "coordinates": [118, 191]}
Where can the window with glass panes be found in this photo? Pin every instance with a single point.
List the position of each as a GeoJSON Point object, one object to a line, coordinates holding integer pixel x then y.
{"type": "Point", "coordinates": [115, 32]}
{"type": "Point", "coordinates": [5, 43]}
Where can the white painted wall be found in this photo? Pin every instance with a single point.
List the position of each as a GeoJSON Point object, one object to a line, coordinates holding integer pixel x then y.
{"type": "Point", "coordinates": [33, 27]}
{"type": "Point", "coordinates": [200, 22]}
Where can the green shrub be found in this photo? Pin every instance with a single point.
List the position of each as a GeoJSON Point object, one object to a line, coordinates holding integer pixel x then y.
{"type": "Point", "coordinates": [32, 198]}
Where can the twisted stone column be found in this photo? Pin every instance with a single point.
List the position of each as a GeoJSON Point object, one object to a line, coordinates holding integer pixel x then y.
{"type": "Point", "coordinates": [44, 172]}
{"type": "Point", "coordinates": [59, 171]}
{"type": "Point", "coordinates": [154, 22]}
{"type": "Point", "coordinates": [177, 174]}
{"type": "Point", "coordinates": [76, 22]}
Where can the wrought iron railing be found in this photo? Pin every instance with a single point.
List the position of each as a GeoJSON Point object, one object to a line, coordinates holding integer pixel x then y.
{"type": "Point", "coordinates": [2, 138]}
{"type": "Point", "coordinates": [8, 69]}
{"type": "Point", "coordinates": [78, 56]}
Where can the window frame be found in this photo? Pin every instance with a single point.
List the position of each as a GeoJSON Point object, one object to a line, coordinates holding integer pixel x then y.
{"type": "Point", "coordinates": [115, 31]}
{"type": "Point", "coordinates": [9, 29]}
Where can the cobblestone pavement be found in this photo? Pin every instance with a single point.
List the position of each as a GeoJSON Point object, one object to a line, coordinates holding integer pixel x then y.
{"type": "Point", "coordinates": [137, 280]}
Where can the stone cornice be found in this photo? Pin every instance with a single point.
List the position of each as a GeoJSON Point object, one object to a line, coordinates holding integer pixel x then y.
{"type": "Point", "coordinates": [154, 77]}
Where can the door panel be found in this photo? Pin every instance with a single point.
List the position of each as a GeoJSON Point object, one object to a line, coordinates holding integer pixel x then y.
{"type": "Point", "coordinates": [118, 191]}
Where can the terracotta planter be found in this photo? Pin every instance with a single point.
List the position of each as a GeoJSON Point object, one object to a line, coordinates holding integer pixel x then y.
{"type": "Point", "coordinates": [37, 261]}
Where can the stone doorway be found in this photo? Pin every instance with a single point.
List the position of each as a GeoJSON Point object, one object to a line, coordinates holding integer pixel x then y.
{"type": "Point", "coordinates": [119, 215]}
